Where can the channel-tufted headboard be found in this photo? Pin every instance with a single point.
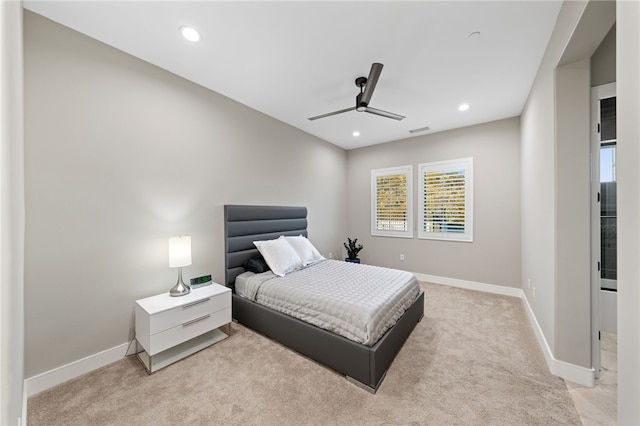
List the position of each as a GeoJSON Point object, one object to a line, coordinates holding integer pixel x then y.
{"type": "Point", "coordinates": [245, 224]}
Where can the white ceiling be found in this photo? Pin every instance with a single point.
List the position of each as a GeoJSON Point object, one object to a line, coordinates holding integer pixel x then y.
{"type": "Point", "coordinates": [296, 59]}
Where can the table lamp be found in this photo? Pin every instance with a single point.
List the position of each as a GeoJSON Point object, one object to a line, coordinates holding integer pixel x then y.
{"type": "Point", "coordinates": [179, 256]}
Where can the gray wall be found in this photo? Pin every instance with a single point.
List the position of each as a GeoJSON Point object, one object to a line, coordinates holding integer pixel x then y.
{"type": "Point", "coordinates": [12, 215]}
{"type": "Point", "coordinates": [120, 156]}
{"type": "Point", "coordinates": [573, 213]}
{"type": "Point", "coordinates": [628, 111]}
{"type": "Point", "coordinates": [494, 255]}
{"type": "Point", "coordinates": [555, 182]}
{"type": "Point", "coordinates": [603, 61]}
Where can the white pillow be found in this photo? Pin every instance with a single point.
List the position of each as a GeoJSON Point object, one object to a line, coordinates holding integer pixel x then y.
{"type": "Point", "coordinates": [279, 255]}
{"type": "Point", "coordinates": [305, 250]}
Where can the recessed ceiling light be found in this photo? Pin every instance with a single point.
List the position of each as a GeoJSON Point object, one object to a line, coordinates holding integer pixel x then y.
{"type": "Point", "coordinates": [463, 107]}
{"type": "Point", "coordinates": [190, 33]}
{"type": "Point", "coordinates": [356, 133]}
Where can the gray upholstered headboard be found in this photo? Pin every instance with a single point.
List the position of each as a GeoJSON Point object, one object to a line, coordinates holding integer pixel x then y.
{"type": "Point", "coordinates": [245, 224]}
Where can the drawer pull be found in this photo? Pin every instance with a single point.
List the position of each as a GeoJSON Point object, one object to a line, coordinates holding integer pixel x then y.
{"type": "Point", "coordinates": [196, 303]}
{"type": "Point", "coordinates": [196, 320]}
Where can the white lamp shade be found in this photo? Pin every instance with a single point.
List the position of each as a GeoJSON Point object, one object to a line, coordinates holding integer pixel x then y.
{"type": "Point", "coordinates": [179, 251]}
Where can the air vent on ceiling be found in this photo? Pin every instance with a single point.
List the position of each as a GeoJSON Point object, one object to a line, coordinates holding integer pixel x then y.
{"type": "Point", "coordinates": [421, 129]}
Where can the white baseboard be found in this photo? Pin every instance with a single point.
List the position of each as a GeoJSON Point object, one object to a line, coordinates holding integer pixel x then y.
{"type": "Point", "coordinates": [59, 375]}
{"type": "Point", "coordinates": [571, 372]}
{"type": "Point", "coordinates": [471, 285]}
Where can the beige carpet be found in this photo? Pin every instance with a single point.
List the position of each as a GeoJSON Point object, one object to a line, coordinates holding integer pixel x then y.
{"type": "Point", "coordinates": [472, 360]}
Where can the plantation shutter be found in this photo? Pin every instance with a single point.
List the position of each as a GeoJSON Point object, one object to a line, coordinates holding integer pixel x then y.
{"type": "Point", "coordinates": [391, 214]}
{"type": "Point", "coordinates": [446, 202]}
{"type": "Point", "coordinates": [391, 202]}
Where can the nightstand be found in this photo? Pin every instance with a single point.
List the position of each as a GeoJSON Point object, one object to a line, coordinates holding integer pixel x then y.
{"type": "Point", "coordinates": [171, 328]}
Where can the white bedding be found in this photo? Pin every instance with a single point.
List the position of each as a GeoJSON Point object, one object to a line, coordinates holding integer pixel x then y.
{"type": "Point", "coordinates": [359, 302]}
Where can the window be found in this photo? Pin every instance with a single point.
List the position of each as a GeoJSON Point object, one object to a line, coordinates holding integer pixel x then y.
{"type": "Point", "coordinates": [391, 202]}
{"type": "Point", "coordinates": [446, 200]}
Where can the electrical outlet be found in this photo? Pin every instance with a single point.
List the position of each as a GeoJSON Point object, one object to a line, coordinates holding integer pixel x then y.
{"type": "Point", "coordinates": [402, 257]}
{"type": "Point", "coordinates": [330, 255]}
{"type": "Point", "coordinates": [534, 292]}
{"type": "Point", "coordinates": [529, 282]}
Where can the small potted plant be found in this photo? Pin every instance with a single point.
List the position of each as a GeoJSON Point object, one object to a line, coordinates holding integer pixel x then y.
{"type": "Point", "coordinates": [352, 250]}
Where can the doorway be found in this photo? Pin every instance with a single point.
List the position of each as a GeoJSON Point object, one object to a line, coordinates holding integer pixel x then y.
{"type": "Point", "coordinates": [604, 218]}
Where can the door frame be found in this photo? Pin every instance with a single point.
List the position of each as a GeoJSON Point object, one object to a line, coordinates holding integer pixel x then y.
{"type": "Point", "coordinates": [599, 92]}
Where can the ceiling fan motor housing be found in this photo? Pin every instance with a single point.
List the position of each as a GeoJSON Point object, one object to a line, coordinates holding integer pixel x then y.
{"type": "Point", "coordinates": [361, 82]}
{"type": "Point", "coordinates": [360, 105]}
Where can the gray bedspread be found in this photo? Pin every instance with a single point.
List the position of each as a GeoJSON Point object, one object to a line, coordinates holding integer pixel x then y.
{"type": "Point", "coordinates": [359, 302]}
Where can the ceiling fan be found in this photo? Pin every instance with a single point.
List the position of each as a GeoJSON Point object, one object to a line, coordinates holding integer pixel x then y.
{"type": "Point", "coordinates": [366, 85]}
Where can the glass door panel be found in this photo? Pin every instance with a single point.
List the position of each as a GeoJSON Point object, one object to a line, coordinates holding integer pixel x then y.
{"type": "Point", "coordinates": [608, 202]}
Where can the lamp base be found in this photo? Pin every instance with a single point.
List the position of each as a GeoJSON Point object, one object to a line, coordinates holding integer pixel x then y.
{"type": "Point", "coordinates": [180, 289]}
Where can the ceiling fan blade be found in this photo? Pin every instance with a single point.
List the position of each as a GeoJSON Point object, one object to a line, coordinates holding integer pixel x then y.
{"type": "Point", "coordinates": [331, 113]}
{"type": "Point", "coordinates": [385, 113]}
{"type": "Point", "coordinates": [374, 74]}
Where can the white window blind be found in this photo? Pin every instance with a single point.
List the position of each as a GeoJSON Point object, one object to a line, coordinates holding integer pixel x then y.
{"type": "Point", "coordinates": [391, 202]}
{"type": "Point", "coordinates": [446, 200]}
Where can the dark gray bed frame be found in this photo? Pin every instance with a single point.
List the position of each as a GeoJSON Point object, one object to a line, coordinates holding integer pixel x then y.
{"type": "Point", "coordinates": [363, 365]}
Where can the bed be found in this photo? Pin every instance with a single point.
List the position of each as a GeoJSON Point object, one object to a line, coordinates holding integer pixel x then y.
{"type": "Point", "coordinates": [364, 365]}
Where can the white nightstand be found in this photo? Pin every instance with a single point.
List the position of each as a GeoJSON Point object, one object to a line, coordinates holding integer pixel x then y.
{"type": "Point", "coordinates": [171, 328]}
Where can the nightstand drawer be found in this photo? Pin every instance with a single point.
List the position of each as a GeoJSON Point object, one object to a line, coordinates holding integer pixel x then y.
{"type": "Point", "coordinates": [179, 315]}
{"type": "Point", "coordinates": [188, 329]}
